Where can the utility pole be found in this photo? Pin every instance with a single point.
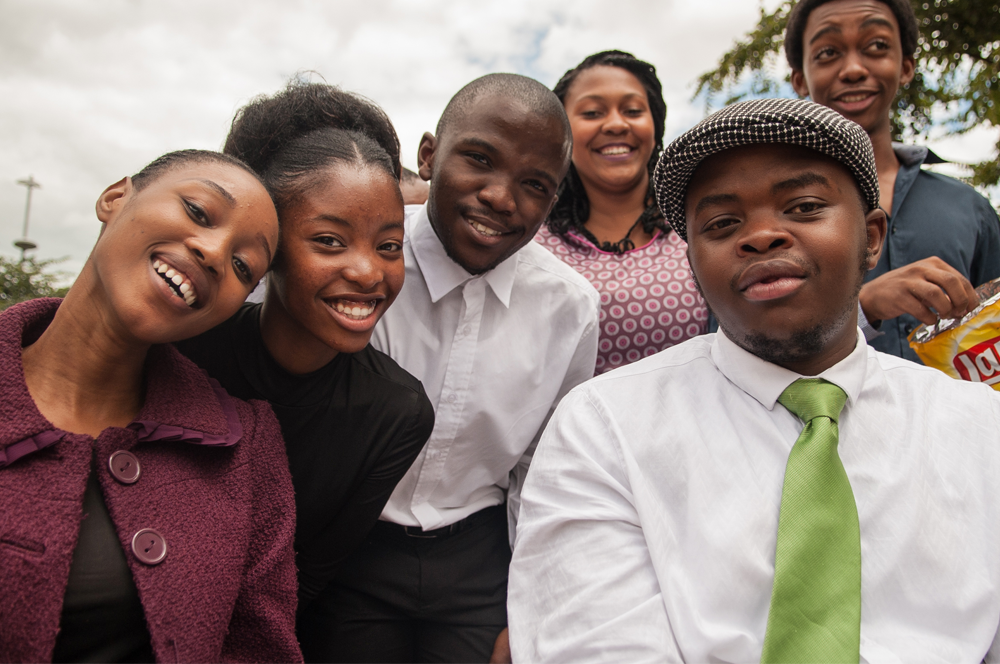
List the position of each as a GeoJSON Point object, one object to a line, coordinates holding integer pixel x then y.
{"type": "Point", "coordinates": [24, 243]}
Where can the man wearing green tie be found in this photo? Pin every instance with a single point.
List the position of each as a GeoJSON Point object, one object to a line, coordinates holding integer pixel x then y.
{"type": "Point", "coordinates": [778, 491]}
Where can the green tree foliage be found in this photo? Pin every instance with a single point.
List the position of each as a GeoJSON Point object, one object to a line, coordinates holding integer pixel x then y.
{"type": "Point", "coordinates": [28, 280]}
{"type": "Point", "coordinates": [958, 70]}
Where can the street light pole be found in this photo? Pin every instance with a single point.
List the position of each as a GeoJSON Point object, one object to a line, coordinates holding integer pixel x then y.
{"type": "Point", "coordinates": [24, 243]}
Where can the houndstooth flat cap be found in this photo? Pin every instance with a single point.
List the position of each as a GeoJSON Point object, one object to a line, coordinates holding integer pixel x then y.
{"type": "Point", "coordinates": [790, 121]}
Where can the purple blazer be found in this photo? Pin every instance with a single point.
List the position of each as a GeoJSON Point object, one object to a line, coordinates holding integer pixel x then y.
{"type": "Point", "coordinates": [213, 484]}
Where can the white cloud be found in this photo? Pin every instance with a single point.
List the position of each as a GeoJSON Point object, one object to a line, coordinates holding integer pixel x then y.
{"type": "Point", "coordinates": [92, 91]}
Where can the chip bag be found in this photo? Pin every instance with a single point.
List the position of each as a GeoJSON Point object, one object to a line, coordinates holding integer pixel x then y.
{"type": "Point", "coordinates": [967, 348]}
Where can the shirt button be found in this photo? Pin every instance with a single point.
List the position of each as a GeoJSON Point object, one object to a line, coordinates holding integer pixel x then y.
{"type": "Point", "coordinates": [467, 329]}
{"type": "Point", "coordinates": [149, 546]}
{"type": "Point", "coordinates": [124, 467]}
{"type": "Point", "coordinates": [450, 398]}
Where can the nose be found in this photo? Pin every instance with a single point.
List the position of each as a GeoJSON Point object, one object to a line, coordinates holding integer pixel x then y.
{"type": "Point", "coordinates": [763, 235]}
{"type": "Point", "coordinates": [497, 196]}
{"type": "Point", "coordinates": [853, 69]}
{"type": "Point", "coordinates": [614, 123]}
{"type": "Point", "coordinates": [210, 252]}
{"type": "Point", "coordinates": [364, 269]}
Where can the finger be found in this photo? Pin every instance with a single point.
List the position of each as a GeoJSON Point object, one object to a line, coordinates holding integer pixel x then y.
{"type": "Point", "coordinates": [960, 293]}
{"type": "Point", "coordinates": [931, 298]}
{"type": "Point", "coordinates": [910, 304]}
{"type": "Point", "coordinates": [973, 298]}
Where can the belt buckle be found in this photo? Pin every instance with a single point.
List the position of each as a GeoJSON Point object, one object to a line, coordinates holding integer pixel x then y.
{"type": "Point", "coordinates": [416, 532]}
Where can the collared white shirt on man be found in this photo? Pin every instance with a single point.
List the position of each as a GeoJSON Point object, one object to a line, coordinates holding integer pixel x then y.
{"type": "Point", "coordinates": [495, 353]}
{"type": "Point", "coordinates": [649, 518]}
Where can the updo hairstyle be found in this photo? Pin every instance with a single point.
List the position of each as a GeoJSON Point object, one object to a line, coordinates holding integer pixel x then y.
{"type": "Point", "coordinates": [291, 137]}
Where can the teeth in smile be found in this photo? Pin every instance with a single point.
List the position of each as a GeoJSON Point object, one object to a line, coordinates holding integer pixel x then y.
{"type": "Point", "coordinates": [853, 98]}
{"type": "Point", "coordinates": [616, 149]}
{"type": "Point", "coordinates": [484, 230]}
{"type": "Point", "coordinates": [355, 310]}
{"type": "Point", "coordinates": [177, 282]}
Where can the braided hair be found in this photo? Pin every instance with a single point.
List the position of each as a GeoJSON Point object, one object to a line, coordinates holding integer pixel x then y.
{"type": "Point", "coordinates": [290, 137]}
{"type": "Point", "coordinates": [572, 209]}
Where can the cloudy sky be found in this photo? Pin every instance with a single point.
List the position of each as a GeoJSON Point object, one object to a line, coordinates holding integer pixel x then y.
{"type": "Point", "coordinates": [91, 91]}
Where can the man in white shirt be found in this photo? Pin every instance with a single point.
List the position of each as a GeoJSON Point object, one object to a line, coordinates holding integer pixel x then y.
{"type": "Point", "coordinates": [665, 515]}
{"type": "Point", "coordinates": [497, 330]}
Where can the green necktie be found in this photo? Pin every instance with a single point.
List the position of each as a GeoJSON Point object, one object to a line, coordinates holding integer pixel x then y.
{"type": "Point", "coordinates": [815, 613]}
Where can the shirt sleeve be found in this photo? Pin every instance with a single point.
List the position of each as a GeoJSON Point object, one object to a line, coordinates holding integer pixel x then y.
{"type": "Point", "coordinates": [581, 368]}
{"type": "Point", "coordinates": [869, 330]}
{"type": "Point", "coordinates": [262, 626]}
{"type": "Point", "coordinates": [582, 583]}
{"type": "Point", "coordinates": [319, 562]}
{"type": "Point", "coordinates": [986, 260]}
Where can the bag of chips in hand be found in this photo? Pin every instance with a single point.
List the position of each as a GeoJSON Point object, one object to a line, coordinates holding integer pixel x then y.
{"type": "Point", "coordinates": [967, 348]}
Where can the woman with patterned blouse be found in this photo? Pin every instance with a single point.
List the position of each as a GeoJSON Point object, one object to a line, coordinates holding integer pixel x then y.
{"type": "Point", "coordinates": [605, 223]}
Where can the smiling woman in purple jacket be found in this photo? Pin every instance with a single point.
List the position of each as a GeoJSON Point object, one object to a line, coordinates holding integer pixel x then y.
{"type": "Point", "coordinates": [144, 513]}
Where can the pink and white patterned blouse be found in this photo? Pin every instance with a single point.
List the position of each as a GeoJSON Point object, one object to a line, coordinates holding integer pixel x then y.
{"type": "Point", "coordinates": [648, 298]}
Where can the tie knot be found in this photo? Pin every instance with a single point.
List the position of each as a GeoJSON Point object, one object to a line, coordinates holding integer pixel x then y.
{"type": "Point", "coordinates": [809, 398]}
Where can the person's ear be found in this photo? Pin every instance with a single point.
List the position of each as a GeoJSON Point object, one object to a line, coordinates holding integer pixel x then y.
{"type": "Point", "coordinates": [425, 155]}
{"type": "Point", "coordinates": [799, 83]}
{"type": "Point", "coordinates": [908, 72]}
{"type": "Point", "coordinates": [875, 227]}
{"type": "Point", "coordinates": [113, 199]}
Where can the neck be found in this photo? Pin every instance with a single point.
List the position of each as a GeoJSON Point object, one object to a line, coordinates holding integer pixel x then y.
{"type": "Point", "coordinates": [290, 344]}
{"type": "Point", "coordinates": [613, 213]}
{"type": "Point", "coordinates": [85, 372]}
{"type": "Point", "coordinates": [885, 158]}
{"type": "Point", "coordinates": [831, 355]}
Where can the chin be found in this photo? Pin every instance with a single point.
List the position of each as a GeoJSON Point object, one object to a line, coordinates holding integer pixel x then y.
{"type": "Point", "coordinates": [798, 346]}
{"type": "Point", "coordinates": [351, 346]}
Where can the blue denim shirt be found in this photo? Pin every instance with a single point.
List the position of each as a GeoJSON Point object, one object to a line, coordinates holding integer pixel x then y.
{"type": "Point", "coordinates": [934, 215]}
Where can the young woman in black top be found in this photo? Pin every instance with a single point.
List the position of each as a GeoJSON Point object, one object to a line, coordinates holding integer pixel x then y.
{"type": "Point", "coordinates": [353, 421]}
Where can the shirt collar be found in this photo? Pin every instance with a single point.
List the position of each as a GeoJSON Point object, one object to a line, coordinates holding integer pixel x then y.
{"type": "Point", "coordinates": [765, 381]}
{"type": "Point", "coordinates": [182, 403]}
{"type": "Point", "coordinates": [915, 155]}
{"type": "Point", "coordinates": [444, 275]}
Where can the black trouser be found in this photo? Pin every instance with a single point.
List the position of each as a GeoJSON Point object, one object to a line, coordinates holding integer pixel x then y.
{"type": "Point", "coordinates": [440, 597]}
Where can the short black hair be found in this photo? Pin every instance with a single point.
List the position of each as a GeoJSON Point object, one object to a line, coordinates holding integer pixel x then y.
{"type": "Point", "coordinates": [289, 137]}
{"type": "Point", "coordinates": [909, 33]}
{"type": "Point", "coordinates": [572, 209]}
{"type": "Point", "coordinates": [527, 91]}
{"type": "Point", "coordinates": [154, 169]}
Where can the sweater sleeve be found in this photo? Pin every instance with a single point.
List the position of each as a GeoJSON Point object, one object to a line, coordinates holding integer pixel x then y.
{"type": "Point", "coordinates": [262, 627]}
{"type": "Point", "coordinates": [319, 561]}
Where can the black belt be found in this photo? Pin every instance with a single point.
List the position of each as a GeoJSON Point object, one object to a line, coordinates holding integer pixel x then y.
{"type": "Point", "coordinates": [473, 519]}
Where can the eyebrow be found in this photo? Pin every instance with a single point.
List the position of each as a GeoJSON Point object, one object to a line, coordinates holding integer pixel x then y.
{"type": "Point", "coordinates": [799, 181]}
{"type": "Point", "coordinates": [387, 226]}
{"type": "Point", "coordinates": [867, 23]}
{"type": "Point", "coordinates": [220, 191]}
{"type": "Point", "coordinates": [715, 199]}
{"type": "Point", "coordinates": [625, 96]}
{"type": "Point", "coordinates": [876, 20]}
{"type": "Point", "coordinates": [825, 31]}
{"type": "Point", "coordinates": [267, 247]}
{"type": "Point", "coordinates": [486, 145]}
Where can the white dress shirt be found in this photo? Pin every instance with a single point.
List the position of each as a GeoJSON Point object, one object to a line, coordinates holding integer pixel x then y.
{"type": "Point", "coordinates": [649, 518]}
{"type": "Point", "coordinates": [495, 353]}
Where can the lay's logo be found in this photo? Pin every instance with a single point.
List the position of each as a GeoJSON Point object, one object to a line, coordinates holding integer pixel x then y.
{"type": "Point", "coordinates": [981, 363]}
